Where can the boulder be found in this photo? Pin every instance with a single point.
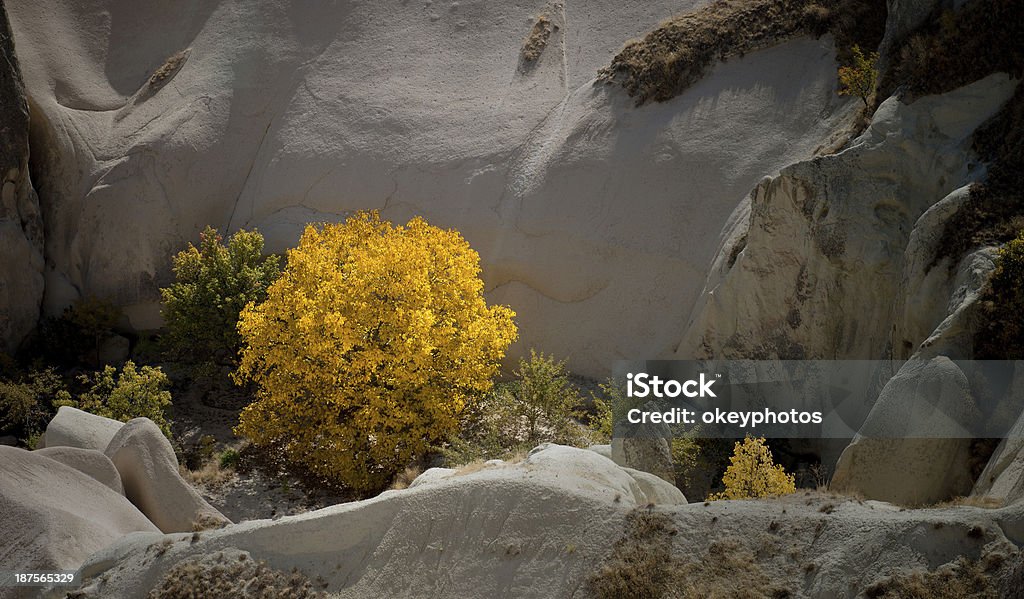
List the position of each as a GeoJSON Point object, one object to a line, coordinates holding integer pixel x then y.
{"type": "Point", "coordinates": [53, 516]}
{"type": "Point", "coordinates": [570, 467]}
{"type": "Point", "coordinates": [114, 350]}
{"type": "Point", "coordinates": [544, 526]}
{"type": "Point", "coordinates": [655, 490]}
{"type": "Point", "coordinates": [72, 427]}
{"type": "Point", "coordinates": [1002, 480]}
{"type": "Point", "coordinates": [149, 472]}
{"type": "Point", "coordinates": [534, 528]}
{"type": "Point", "coordinates": [90, 462]}
{"type": "Point", "coordinates": [646, 447]}
{"type": "Point", "coordinates": [915, 447]}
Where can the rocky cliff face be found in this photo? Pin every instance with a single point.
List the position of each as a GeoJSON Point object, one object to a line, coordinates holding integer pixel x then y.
{"type": "Point", "coordinates": [835, 257]}
{"type": "Point", "coordinates": [596, 221]}
{"type": "Point", "coordinates": [21, 227]}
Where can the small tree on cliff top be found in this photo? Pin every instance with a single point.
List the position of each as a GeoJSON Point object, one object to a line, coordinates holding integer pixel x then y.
{"type": "Point", "coordinates": [859, 79]}
{"type": "Point", "coordinates": [369, 346]}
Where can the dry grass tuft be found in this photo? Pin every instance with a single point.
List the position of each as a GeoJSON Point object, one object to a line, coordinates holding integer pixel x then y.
{"type": "Point", "coordinates": [956, 580]}
{"type": "Point", "coordinates": [210, 475]}
{"type": "Point", "coordinates": [404, 478]}
{"type": "Point", "coordinates": [989, 503]}
{"type": "Point", "coordinates": [170, 66]}
{"type": "Point", "coordinates": [535, 43]}
{"type": "Point", "coordinates": [641, 565]}
{"type": "Point", "coordinates": [217, 576]}
{"type": "Point", "coordinates": [207, 521]}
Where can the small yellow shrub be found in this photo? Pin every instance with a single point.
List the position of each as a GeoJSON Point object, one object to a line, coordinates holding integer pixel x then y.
{"type": "Point", "coordinates": [860, 78]}
{"type": "Point", "coordinates": [368, 347]}
{"type": "Point", "coordinates": [753, 473]}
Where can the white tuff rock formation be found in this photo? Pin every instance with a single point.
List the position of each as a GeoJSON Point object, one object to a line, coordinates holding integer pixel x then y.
{"type": "Point", "coordinates": [596, 221]}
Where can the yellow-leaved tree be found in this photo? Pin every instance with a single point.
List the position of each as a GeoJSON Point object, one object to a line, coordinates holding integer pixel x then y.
{"type": "Point", "coordinates": [753, 473]}
{"type": "Point", "coordinates": [368, 347]}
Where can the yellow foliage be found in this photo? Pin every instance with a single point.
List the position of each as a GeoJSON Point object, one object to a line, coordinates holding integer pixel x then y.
{"type": "Point", "coordinates": [369, 346]}
{"type": "Point", "coordinates": [753, 473]}
{"type": "Point", "coordinates": [860, 78]}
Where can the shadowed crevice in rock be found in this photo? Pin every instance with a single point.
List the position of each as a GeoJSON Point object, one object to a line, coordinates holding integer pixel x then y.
{"type": "Point", "coordinates": [21, 225]}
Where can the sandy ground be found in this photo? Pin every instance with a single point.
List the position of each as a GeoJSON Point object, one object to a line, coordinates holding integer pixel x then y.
{"type": "Point", "coordinates": [257, 489]}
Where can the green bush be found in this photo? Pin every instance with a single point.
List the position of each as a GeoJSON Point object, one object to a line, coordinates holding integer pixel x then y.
{"type": "Point", "coordinates": [135, 393]}
{"type": "Point", "coordinates": [539, 406]}
{"type": "Point", "coordinates": [542, 403]}
{"type": "Point", "coordinates": [229, 459]}
{"type": "Point", "coordinates": [26, 403]}
{"type": "Point", "coordinates": [602, 422]}
{"type": "Point", "coordinates": [1001, 335]}
{"type": "Point", "coordinates": [214, 282]}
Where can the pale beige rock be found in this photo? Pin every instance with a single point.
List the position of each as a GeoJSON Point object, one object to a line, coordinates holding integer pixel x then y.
{"type": "Point", "coordinates": [644, 447]}
{"type": "Point", "coordinates": [915, 446]}
{"type": "Point", "coordinates": [499, 532]}
{"type": "Point", "coordinates": [90, 462]}
{"type": "Point", "coordinates": [72, 427]}
{"type": "Point", "coordinates": [815, 262]}
{"type": "Point", "coordinates": [21, 226]}
{"type": "Point", "coordinates": [1002, 480]}
{"type": "Point", "coordinates": [595, 220]}
{"type": "Point", "coordinates": [149, 473]}
{"type": "Point", "coordinates": [52, 516]}
{"type": "Point", "coordinates": [582, 470]}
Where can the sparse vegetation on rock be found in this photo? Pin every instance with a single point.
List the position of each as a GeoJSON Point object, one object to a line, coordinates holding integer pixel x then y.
{"type": "Point", "coordinates": [954, 49]}
{"type": "Point", "coordinates": [640, 561]}
{"type": "Point", "coordinates": [643, 565]}
{"type": "Point", "coordinates": [960, 579]}
{"type": "Point", "coordinates": [859, 79]}
{"type": "Point", "coordinates": [170, 66]}
{"type": "Point", "coordinates": [234, 577]}
{"type": "Point", "coordinates": [679, 52]}
{"type": "Point", "coordinates": [538, 39]}
{"type": "Point", "coordinates": [1001, 335]}
{"type": "Point", "coordinates": [369, 347]}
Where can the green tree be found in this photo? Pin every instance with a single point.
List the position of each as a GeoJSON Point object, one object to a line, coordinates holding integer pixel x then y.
{"type": "Point", "coordinates": [542, 402]}
{"type": "Point", "coordinates": [213, 283]}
